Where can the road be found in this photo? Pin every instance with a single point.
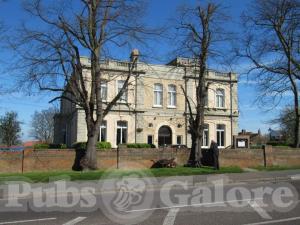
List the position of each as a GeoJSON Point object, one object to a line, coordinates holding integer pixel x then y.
{"type": "Point", "coordinates": [183, 208]}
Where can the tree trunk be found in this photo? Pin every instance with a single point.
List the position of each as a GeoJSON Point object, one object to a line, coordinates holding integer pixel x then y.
{"type": "Point", "coordinates": [297, 121]}
{"type": "Point", "coordinates": [195, 154]}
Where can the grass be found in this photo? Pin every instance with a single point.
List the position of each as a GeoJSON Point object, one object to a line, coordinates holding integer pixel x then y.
{"type": "Point", "coordinates": [276, 168]}
{"type": "Point", "coordinates": [45, 177]}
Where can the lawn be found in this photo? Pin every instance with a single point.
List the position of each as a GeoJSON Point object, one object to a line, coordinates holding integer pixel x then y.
{"type": "Point", "coordinates": [102, 174]}
{"type": "Point", "coordinates": [274, 168]}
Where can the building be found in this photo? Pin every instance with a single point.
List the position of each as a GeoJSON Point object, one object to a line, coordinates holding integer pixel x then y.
{"type": "Point", "coordinates": [154, 109]}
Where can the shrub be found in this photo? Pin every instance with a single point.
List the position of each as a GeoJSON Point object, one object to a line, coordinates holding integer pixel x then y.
{"type": "Point", "coordinates": [140, 145]}
{"type": "Point", "coordinates": [41, 146]}
{"type": "Point", "coordinates": [57, 146]}
{"type": "Point", "coordinates": [103, 145]}
{"type": "Point", "coordinates": [79, 145]}
{"type": "Point", "coordinates": [278, 143]}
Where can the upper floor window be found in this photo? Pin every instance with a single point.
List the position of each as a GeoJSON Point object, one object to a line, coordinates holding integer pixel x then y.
{"type": "Point", "coordinates": [171, 96]}
{"type": "Point", "coordinates": [205, 136]}
{"type": "Point", "coordinates": [103, 90]}
{"type": "Point", "coordinates": [220, 98]}
{"type": "Point", "coordinates": [124, 96]}
{"type": "Point", "coordinates": [158, 94]}
{"type": "Point", "coordinates": [221, 135]}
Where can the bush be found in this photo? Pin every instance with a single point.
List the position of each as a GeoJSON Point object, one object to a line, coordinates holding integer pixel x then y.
{"type": "Point", "coordinates": [79, 145]}
{"type": "Point", "coordinates": [57, 146]}
{"type": "Point", "coordinates": [103, 145]}
{"type": "Point", "coordinates": [41, 146]}
{"type": "Point", "coordinates": [140, 145]}
{"type": "Point", "coordinates": [278, 143]}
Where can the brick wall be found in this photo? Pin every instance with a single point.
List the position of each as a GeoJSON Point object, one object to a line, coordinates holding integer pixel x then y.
{"type": "Point", "coordinates": [51, 160]}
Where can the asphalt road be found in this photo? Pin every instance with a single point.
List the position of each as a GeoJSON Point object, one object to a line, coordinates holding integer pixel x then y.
{"type": "Point", "coordinates": [186, 206]}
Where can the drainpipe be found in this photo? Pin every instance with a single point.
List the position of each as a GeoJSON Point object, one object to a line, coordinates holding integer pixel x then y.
{"type": "Point", "coordinates": [231, 114]}
{"type": "Point", "coordinates": [185, 106]}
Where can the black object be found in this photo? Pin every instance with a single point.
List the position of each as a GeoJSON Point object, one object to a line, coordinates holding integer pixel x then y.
{"type": "Point", "coordinates": [80, 153]}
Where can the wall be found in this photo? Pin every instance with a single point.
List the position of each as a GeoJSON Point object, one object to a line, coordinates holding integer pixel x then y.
{"type": "Point", "coordinates": [50, 160]}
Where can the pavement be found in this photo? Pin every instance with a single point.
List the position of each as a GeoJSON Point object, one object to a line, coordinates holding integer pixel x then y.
{"type": "Point", "coordinates": [251, 198]}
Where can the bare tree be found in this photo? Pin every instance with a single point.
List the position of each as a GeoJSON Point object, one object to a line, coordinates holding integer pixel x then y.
{"type": "Point", "coordinates": [43, 125]}
{"type": "Point", "coordinates": [272, 45]}
{"type": "Point", "coordinates": [50, 53]}
{"type": "Point", "coordinates": [200, 31]}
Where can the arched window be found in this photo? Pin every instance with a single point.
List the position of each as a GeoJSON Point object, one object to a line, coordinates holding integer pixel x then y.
{"type": "Point", "coordinates": [220, 98]}
{"type": "Point", "coordinates": [171, 95]}
{"type": "Point", "coordinates": [158, 95]}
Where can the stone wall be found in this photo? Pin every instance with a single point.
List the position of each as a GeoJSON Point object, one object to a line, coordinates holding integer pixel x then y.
{"type": "Point", "coordinates": [51, 160]}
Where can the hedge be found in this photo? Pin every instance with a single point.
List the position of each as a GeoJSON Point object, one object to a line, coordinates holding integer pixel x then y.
{"type": "Point", "coordinates": [140, 145]}
{"type": "Point", "coordinates": [100, 145]}
{"type": "Point", "coordinates": [50, 146]}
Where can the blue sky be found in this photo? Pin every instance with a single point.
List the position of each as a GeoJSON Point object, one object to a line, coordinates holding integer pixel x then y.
{"type": "Point", "coordinates": [251, 117]}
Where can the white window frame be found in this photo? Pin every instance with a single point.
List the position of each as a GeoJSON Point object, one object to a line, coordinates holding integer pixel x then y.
{"type": "Point", "coordinates": [172, 96]}
{"type": "Point", "coordinates": [206, 129]}
{"type": "Point", "coordinates": [104, 87]}
{"type": "Point", "coordinates": [103, 126]}
{"type": "Point", "coordinates": [220, 104]}
{"type": "Point", "coordinates": [125, 94]}
{"type": "Point", "coordinates": [157, 92]}
{"type": "Point", "coordinates": [218, 131]}
{"type": "Point", "coordinates": [121, 131]}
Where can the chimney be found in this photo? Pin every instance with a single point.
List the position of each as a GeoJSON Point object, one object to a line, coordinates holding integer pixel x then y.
{"type": "Point", "coordinates": [134, 56]}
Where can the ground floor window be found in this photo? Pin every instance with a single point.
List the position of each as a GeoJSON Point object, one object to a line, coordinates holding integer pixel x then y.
{"type": "Point", "coordinates": [221, 135]}
{"type": "Point", "coordinates": [121, 132]}
{"type": "Point", "coordinates": [179, 139]}
{"type": "Point", "coordinates": [150, 139]}
{"type": "Point", "coordinates": [102, 135]}
{"type": "Point", "coordinates": [205, 136]}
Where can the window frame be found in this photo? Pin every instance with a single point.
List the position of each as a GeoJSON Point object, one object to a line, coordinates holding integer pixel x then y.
{"type": "Point", "coordinates": [125, 94]}
{"type": "Point", "coordinates": [222, 96]}
{"type": "Point", "coordinates": [218, 132]}
{"type": "Point", "coordinates": [102, 126]}
{"type": "Point", "coordinates": [155, 91]}
{"type": "Point", "coordinates": [172, 94]}
{"type": "Point", "coordinates": [121, 132]}
{"type": "Point", "coordinates": [206, 129]}
{"type": "Point", "coordinates": [105, 85]}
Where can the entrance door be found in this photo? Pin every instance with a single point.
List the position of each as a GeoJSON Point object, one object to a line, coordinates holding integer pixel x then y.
{"type": "Point", "coordinates": [164, 136]}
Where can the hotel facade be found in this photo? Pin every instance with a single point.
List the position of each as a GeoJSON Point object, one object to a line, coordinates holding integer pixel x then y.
{"type": "Point", "coordinates": [153, 109]}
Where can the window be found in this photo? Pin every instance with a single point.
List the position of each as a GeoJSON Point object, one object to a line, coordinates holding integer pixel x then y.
{"type": "Point", "coordinates": [104, 90]}
{"type": "Point", "coordinates": [205, 140]}
{"type": "Point", "coordinates": [121, 132]}
{"type": "Point", "coordinates": [102, 135]}
{"type": "Point", "coordinates": [171, 96]}
{"type": "Point", "coordinates": [158, 95]}
{"type": "Point", "coordinates": [220, 98]}
{"type": "Point", "coordinates": [221, 135]}
{"type": "Point", "coordinates": [123, 98]}
{"type": "Point", "coordinates": [150, 139]}
{"type": "Point", "coordinates": [179, 139]}
{"type": "Point", "coordinates": [206, 100]}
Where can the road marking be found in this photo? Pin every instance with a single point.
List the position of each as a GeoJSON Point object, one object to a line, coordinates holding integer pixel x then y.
{"type": "Point", "coordinates": [211, 204]}
{"type": "Point", "coordinates": [74, 221]}
{"type": "Point", "coordinates": [171, 216]}
{"type": "Point", "coordinates": [26, 221]}
{"type": "Point", "coordinates": [257, 207]}
{"type": "Point", "coordinates": [295, 177]}
{"type": "Point", "coordinates": [275, 221]}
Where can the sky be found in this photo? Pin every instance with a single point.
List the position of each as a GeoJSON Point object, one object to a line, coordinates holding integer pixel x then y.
{"type": "Point", "coordinates": [159, 12]}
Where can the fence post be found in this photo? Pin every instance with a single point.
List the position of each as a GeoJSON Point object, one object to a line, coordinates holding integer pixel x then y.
{"type": "Point", "coordinates": [23, 160]}
{"type": "Point", "coordinates": [118, 156]}
{"type": "Point", "coordinates": [264, 154]}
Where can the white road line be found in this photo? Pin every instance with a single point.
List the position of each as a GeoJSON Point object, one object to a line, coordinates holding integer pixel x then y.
{"type": "Point", "coordinates": [76, 220]}
{"type": "Point", "coordinates": [26, 221]}
{"type": "Point", "coordinates": [295, 177]}
{"type": "Point", "coordinates": [171, 216]}
{"type": "Point", "coordinates": [274, 221]}
{"type": "Point", "coordinates": [210, 204]}
{"type": "Point", "coordinates": [257, 207]}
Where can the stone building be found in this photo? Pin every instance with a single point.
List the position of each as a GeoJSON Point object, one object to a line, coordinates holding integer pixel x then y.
{"type": "Point", "coordinates": [153, 110]}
